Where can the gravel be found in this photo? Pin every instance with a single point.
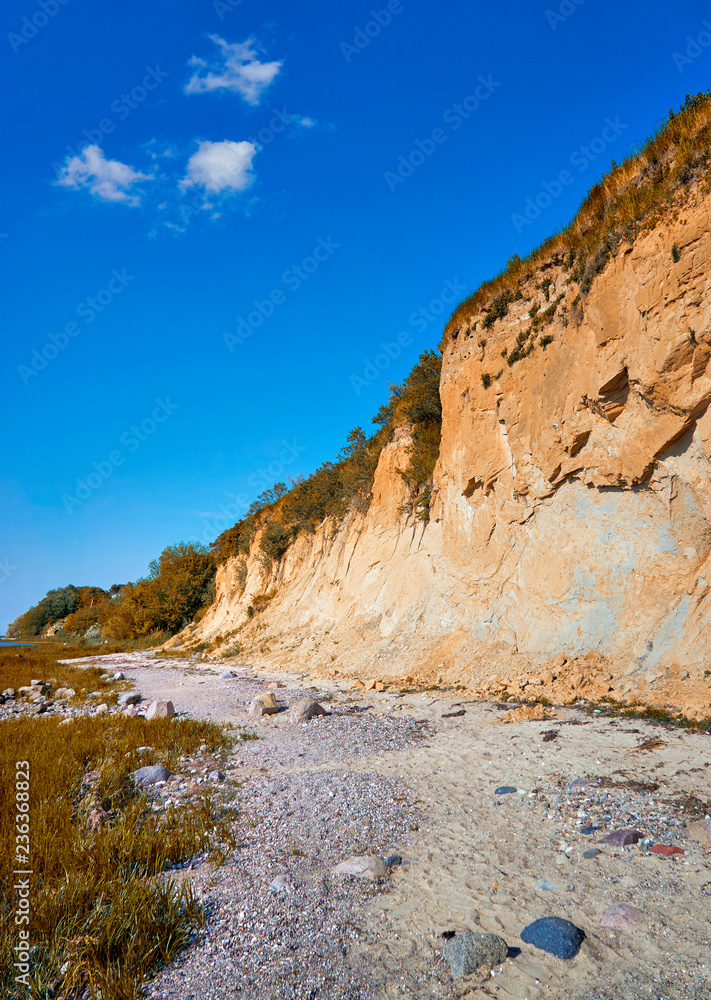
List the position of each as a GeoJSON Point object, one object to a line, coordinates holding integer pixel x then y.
{"type": "Point", "coordinates": [309, 940]}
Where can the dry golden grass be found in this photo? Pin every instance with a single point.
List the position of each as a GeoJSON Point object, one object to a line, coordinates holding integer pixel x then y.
{"type": "Point", "coordinates": [627, 201]}
{"type": "Point", "coordinates": [99, 907]}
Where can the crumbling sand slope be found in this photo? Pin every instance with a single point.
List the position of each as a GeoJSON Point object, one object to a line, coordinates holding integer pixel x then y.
{"type": "Point", "coordinates": [570, 514]}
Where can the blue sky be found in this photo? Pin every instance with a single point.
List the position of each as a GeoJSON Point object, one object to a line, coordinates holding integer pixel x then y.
{"type": "Point", "coordinates": [169, 165]}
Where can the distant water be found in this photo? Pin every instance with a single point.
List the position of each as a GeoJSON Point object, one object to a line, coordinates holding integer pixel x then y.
{"type": "Point", "coordinates": [3, 643]}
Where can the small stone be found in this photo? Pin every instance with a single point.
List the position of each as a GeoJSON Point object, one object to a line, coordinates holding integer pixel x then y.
{"type": "Point", "coordinates": [151, 774]}
{"type": "Point", "coordinates": [263, 704]}
{"type": "Point", "coordinates": [621, 917]}
{"type": "Point", "coordinates": [370, 868]}
{"type": "Point", "coordinates": [505, 790]}
{"type": "Point", "coordinates": [101, 709]}
{"type": "Point", "coordinates": [129, 698]}
{"type": "Point", "coordinates": [370, 685]}
{"type": "Point", "coordinates": [130, 710]}
{"type": "Point", "coordinates": [282, 884]}
{"type": "Point", "coordinates": [467, 952]}
{"type": "Point", "coordinates": [544, 884]}
{"type": "Point", "coordinates": [10, 692]}
{"type": "Point", "coordinates": [587, 830]}
{"type": "Point", "coordinates": [63, 694]}
{"type": "Point", "coordinates": [119, 676]}
{"type": "Point", "coordinates": [577, 784]}
{"type": "Point", "coordinates": [666, 850]}
{"type": "Point", "coordinates": [160, 710]}
{"type": "Point", "coordinates": [216, 776]}
{"type": "Point", "coordinates": [379, 686]}
{"type": "Point", "coordinates": [393, 860]}
{"type": "Point", "coordinates": [357, 686]}
{"type": "Point", "coordinates": [701, 832]}
{"type": "Point", "coordinates": [227, 675]}
{"type": "Point", "coordinates": [555, 935]}
{"type": "Point", "coordinates": [621, 838]}
{"type": "Point", "coordinates": [592, 852]}
{"type": "Point", "coordinates": [305, 710]}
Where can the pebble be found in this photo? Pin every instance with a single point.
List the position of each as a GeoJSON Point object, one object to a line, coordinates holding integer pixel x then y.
{"type": "Point", "coordinates": [226, 675]}
{"type": "Point", "coordinates": [701, 831]}
{"type": "Point", "coordinates": [544, 884]}
{"type": "Point", "coordinates": [393, 860]}
{"type": "Point", "coordinates": [587, 830]}
{"type": "Point", "coordinates": [282, 884]}
{"type": "Point", "coordinates": [621, 838]}
{"type": "Point", "coordinates": [119, 676]}
{"type": "Point", "coordinates": [555, 935]}
{"type": "Point", "coordinates": [467, 952]}
{"type": "Point", "coordinates": [362, 867]}
{"type": "Point", "coordinates": [592, 852]}
{"type": "Point", "coordinates": [666, 850]}
{"type": "Point", "coordinates": [129, 698]}
{"type": "Point", "coordinates": [263, 704]}
{"type": "Point", "coordinates": [505, 790]}
{"type": "Point", "coordinates": [304, 710]}
{"type": "Point", "coordinates": [151, 774]}
{"type": "Point", "coordinates": [216, 776]}
{"type": "Point", "coordinates": [160, 710]}
{"type": "Point", "coordinates": [621, 917]}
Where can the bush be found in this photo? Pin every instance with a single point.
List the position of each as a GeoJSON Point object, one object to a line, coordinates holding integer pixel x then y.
{"type": "Point", "coordinates": [180, 582]}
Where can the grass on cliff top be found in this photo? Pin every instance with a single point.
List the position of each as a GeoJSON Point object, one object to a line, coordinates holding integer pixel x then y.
{"type": "Point", "coordinates": [96, 908]}
{"type": "Point", "coordinates": [629, 199]}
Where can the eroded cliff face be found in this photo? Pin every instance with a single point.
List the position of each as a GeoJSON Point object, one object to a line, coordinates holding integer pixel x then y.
{"type": "Point", "coordinates": [570, 528]}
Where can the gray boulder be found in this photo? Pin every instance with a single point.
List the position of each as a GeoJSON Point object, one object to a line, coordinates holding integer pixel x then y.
{"type": "Point", "coordinates": [465, 953]}
{"type": "Point", "coordinates": [149, 775]}
{"type": "Point", "coordinates": [304, 710]}
{"type": "Point", "coordinates": [129, 698]}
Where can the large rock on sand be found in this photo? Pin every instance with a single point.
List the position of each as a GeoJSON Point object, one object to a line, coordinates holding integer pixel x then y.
{"type": "Point", "coordinates": [304, 710]}
{"type": "Point", "coordinates": [263, 704]}
{"type": "Point", "coordinates": [160, 710]}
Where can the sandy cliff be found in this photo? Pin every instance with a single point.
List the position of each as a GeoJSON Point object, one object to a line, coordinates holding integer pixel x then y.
{"type": "Point", "coordinates": [570, 532]}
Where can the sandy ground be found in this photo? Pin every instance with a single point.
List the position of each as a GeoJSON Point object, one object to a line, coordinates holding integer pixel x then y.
{"type": "Point", "coordinates": [473, 859]}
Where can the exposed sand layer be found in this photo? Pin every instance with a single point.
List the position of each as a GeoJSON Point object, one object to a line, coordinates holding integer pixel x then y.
{"type": "Point", "coordinates": [473, 859]}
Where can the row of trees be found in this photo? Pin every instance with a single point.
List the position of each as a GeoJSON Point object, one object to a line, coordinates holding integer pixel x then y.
{"type": "Point", "coordinates": [179, 583]}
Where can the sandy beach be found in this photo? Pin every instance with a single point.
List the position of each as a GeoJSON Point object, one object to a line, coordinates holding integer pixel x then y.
{"type": "Point", "coordinates": [415, 774]}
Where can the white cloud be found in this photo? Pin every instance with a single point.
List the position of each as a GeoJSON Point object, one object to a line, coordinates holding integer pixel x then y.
{"type": "Point", "coordinates": [109, 180]}
{"type": "Point", "coordinates": [221, 166]}
{"type": "Point", "coordinates": [239, 69]}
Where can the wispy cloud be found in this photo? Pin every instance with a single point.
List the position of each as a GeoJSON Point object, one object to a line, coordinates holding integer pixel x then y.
{"type": "Point", "coordinates": [237, 69]}
{"type": "Point", "coordinates": [108, 180]}
{"type": "Point", "coordinates": [219, 167]}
